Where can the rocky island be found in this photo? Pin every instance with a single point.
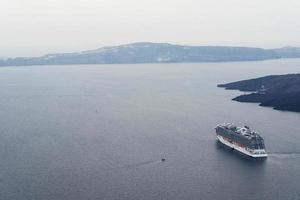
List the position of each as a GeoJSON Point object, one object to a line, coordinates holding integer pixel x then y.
{"type": "Point", "coordinates": [282, 92]}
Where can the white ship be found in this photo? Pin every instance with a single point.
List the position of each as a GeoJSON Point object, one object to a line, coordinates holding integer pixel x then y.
{"type": "Point", "coordinates": [241, 139]}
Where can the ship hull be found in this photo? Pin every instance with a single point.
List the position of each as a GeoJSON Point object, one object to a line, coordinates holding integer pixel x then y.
{"type": "Point", "coordinates": [240, 149]}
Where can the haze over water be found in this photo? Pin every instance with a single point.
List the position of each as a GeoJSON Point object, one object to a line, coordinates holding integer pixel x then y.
{"type": "Point", "coordinates": [100, 131]}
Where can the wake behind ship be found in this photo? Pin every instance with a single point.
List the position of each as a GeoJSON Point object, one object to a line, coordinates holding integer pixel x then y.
{"type": "Point", "coordinates": [241, 139]}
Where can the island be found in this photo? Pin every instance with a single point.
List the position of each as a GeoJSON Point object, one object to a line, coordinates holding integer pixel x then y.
{"type": "Point", "coordinates": [281, 92]}
{"type": "Point", "coordinates": [147, 52]}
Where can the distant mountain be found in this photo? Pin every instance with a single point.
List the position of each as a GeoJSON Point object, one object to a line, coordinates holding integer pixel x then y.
{"type": "Point", "coordinates": [288, 52]}
{"type": "Point", "coordinates": [156, 53]}
{"type": "Point", "coordinates": [282, 92]}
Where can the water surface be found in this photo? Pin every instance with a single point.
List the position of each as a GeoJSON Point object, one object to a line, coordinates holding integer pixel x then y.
{"type": "Point", "coordinates": [100, 131]}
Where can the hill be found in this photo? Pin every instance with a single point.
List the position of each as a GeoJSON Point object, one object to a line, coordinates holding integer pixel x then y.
{"type": "Point", "coordinates": [146, 52]}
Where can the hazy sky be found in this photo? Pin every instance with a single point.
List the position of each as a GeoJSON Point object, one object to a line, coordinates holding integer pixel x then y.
{"type": "Point", "coordinates": [36, 27]}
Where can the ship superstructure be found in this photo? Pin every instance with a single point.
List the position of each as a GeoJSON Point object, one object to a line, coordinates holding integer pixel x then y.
{"type": "Point", "coordinates": [242, 139]}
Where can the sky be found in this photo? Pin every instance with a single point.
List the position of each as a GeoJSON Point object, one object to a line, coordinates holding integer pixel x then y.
{"type": "Point", "coordinates": [37, 27]}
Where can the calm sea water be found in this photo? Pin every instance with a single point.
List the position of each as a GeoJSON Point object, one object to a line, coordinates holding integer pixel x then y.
{"type": "Point", "coordinates": [99, 132]}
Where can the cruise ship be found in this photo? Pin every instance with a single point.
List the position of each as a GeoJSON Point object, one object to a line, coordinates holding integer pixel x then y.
{"type": "Point", "coordinates": [241, 139]}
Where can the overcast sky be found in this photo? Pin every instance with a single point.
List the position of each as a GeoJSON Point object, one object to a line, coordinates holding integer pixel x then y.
{"type": "Point", "coordinates": [36, 27]}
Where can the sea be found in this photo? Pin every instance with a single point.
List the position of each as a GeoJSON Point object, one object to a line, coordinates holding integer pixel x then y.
{"type": "Point", "coordinates": [87, 132]}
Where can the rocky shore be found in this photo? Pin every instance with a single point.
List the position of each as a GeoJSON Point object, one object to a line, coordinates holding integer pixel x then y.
{"type": "Point", "coordinates": [282, 92]}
